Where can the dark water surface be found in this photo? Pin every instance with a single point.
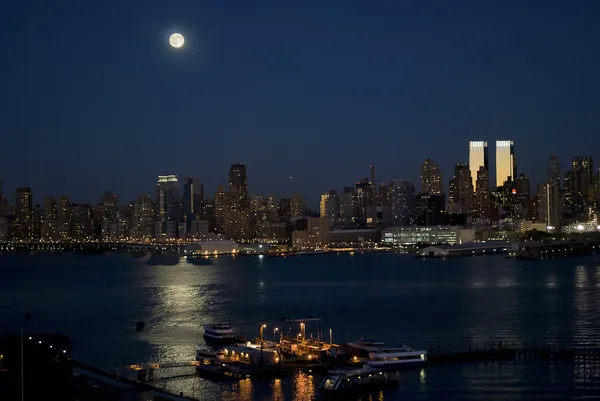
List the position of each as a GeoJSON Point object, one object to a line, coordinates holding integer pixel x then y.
{"type": "Point", "coordinates": [96, 300]}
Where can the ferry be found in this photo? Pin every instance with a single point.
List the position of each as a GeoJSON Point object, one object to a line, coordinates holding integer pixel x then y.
{"type": "Point", "coordinates": [350, 382]}
{"type": "Point", "coordinates": [396, 358]}
{"type": "Point", "coordinates": [218, 334]}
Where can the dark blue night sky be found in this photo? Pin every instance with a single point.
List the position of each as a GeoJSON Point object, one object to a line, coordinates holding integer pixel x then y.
{"type": "Point", "coordinates": [93, 98]}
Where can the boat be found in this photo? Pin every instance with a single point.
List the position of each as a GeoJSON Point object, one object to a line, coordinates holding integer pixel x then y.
{"type": "Point", "coordinates": [362, 348]}
{"type": "Point", "coordinates": [390, 359]}
{"type": "Point", "coordinates": [218, 334]}
{"type": "Point", "coordinates": [211, 363]}
{"type": "Point", "coordinates": [346, 383]}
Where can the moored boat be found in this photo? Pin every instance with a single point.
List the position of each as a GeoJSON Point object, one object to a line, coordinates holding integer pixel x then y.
{"type": "Point", "coordinates": [391, 359]}
{"type": "Point", "coordinates": [348, 382]}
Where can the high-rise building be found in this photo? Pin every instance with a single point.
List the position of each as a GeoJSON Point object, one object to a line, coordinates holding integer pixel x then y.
{"type": "Point", "coordinates": [549, 207]}
{"type": "Point", "coordinates": [462, 186]}
{"type": "Point", "coordinates": [220, 200]}
{"type": "Point", "coordinates": [297, 206]}
{"type": "Point", "coordinates": [348, 213]}
{"type": "Point", "coordinates": [284, 209]}
{"type": "Point", "coordinates": [402, 202]}
{"type": "Point", "coordinates": [364, 199]}
{"type": "Point", "coordinates": [330, 206]}
{"type": "Point", "coordinates": [63, 217]}
{"type": "Point", "coordinates": [142, 224]}
{"type": "Point", "coordinates": [193, 196]}
{"type": "Point", "coordinates": [168, 202]}
{"type": "Point", "coordinates": [431, 178]}
{"type": "Point", "coordinates": [523, 185]}
{"type": "Point", "coordinates": [1, 201]}
{"type": "Point", "coordinates": [554, 169]}
{"type": "Point", "coordinates": [478, 157]}
{"type": "Point", "coordinates": [238, 185]}
{"type": "Point", "coordinates": [506, 163]}
{"type": "Point", "coordinates": [482, 194]}
{"type": "Point", "coordinates": [24, 214]}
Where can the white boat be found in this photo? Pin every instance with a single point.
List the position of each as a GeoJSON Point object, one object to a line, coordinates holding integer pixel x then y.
{"type": "Point", "coordinates": [396, 358]}
{"type": "Point", "coordinates": [218, 334]}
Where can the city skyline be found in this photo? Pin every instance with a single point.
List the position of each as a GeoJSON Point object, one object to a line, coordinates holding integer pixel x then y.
{"type": "Point", "coordinates": [313, 196]}
{"type": "Point", "coordinates": [108, 104]}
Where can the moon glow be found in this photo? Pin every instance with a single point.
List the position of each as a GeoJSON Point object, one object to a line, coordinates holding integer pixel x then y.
{"type": "Point", "coordinates": [176, 40]}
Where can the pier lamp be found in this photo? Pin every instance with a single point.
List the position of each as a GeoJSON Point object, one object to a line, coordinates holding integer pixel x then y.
{"type": "Point", "coordinates": [262, 329]}
{"type": "Point", "coordinates": [302, 333]}
{"type": "Point", "coordinates": [276, 329]}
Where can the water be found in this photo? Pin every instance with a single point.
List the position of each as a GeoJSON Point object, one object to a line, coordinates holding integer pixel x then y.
{"type": "Point", "coordinates": [96, 300]}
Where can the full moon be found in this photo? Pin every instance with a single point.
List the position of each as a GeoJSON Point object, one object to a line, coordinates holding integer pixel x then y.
{"type": "Point", "coordinates": [176, 40]}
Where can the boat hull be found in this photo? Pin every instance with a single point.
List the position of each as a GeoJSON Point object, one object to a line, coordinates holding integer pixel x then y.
{"type": "Point", "coordinates": [396, 365]}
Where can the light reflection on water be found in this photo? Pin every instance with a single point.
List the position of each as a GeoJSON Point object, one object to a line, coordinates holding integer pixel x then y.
{"type": "Point", "coordinates": [397, 299]}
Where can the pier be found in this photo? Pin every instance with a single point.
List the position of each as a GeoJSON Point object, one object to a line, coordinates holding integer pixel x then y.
{"type": "Point", "coordinates": [552, 249]}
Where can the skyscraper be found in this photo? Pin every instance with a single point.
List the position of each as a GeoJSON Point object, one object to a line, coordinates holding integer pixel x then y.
{"type": "Point", "coordinates": [506, 167]}
{"type": "Point", "coordinates": [193, 194]}
{"type": "Point", "coordinates": [482, 195]}
{"type": "Point", "coordinates": [431, 178]}
{"type": "Point", "coordinates": [462, 187]}
{"type": "Point", "coordinates": [402, 199]}
{"type": "Point", "coordinates": [478, 157]}
{"type": "Point", "coordinates": [238, 186]}
{"type": "Point", "coordinates": [168, 202]}
{"type": "Point", "coordinates": [24, 214]}
{"type": "Point", "coordinates": [554, 169]}
{"type": "Point", "coordinates": [348, 213]}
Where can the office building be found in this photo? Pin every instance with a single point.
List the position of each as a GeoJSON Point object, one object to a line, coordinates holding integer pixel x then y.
{"type": "Point", "coordinates": [430, 210]}
{"type": "Point", "coordinates": [24, 214]}
{"type": "Point", "coordinates": [478, 157]}
{"type": "Point", "coordinates": [297, 206]}
{"type": "Point", "coordinates": [506, 163]}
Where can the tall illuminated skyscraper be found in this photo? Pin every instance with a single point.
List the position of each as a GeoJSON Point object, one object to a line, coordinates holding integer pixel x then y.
{"type": "Point", "coordinates": [478, 157]}
{"type": "Point", "coordinates": [506, 165]}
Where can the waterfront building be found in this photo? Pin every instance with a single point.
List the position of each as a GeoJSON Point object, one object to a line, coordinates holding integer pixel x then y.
{"type": "Point", "coordinates": [478, 158]}
{"type": "Point", "coordinates": [427, 235]}
{"type": "Point", "coordinates": [430, 210]}
{"type": "Point", "coordinates": [354, 237]}
{"type": "Point", "coordinates": [311, 232]}
{"type": "Point", "coordinates": [506, 162]}
{"type": "Point", "coordinates": [549, 205]}
{"type": "Point", "coordinates": [4, 229]}
{"type": "Point", "coordinates": [431, 178]}
{"type": "Point", "coordinates": [143, 221]}
{"type": "Point", "coordinates": [214, 247]}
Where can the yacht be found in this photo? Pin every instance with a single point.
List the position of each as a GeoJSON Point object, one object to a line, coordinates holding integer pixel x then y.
{"type": "Point", "coordinates": [396, 358]}
{"type": "Point", "coordinates": [346, 382]}
{"type": "Point", "coordinates": [218, 334]}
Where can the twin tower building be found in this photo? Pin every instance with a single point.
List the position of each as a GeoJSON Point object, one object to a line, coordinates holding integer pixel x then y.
{"type": "Point", "coordinates": [506, 162]}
